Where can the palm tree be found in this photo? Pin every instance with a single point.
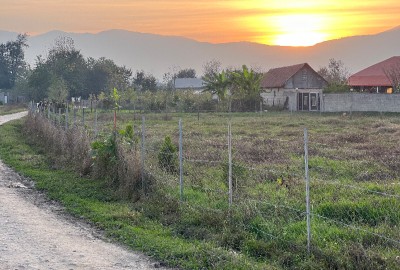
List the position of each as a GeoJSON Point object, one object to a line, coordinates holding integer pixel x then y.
{"type": "Point", "coordinates": [246, 84]}
{"type": "Point", "coordinates": [217, 84]}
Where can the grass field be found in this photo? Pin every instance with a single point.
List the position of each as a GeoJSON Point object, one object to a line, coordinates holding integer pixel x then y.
{"type": "Point", "coordinates": [8, 109]}
{"type": "Point", "coordinates": [354, 193]}
{"type": "Point", "coordinates": [355, 188]}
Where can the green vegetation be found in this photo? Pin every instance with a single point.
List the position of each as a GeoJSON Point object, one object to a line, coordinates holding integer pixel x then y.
{"type": "Point", "coordinates": [9, 109]}
{"type": "Point", "coordinates": [355, 189]}
{"type": "Point", "coordinates": [167, 157]}
{"type": "Point", "coordinates": [336, 74]}
{"type": "Point", "coordinates": [243, 85]}
{"type": "Point", "coordinates": [93, 200]}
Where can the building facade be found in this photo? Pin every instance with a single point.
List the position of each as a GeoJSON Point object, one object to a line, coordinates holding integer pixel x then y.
{"type": "Point", "coordinates": [378, 78]}
{"type": "Point", "coordinates": [295, 88]}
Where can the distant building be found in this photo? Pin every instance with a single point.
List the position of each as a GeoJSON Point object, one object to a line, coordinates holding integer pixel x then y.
{"type": "Point", "coordinates": [3, 98]}
{"type": "Point", "coordinates": [374, 79]}
{"type": "Point", "coordinates": [189, 84]}
{"type": "Point", "coordinates": [296, 88]}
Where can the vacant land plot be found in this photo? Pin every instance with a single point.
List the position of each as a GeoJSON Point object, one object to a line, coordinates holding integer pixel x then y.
{"type": "Point", "coordinates": [354, 184]}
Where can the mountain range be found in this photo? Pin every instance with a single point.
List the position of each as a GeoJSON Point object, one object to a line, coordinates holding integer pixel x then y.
{"type": "Point", "coordinates": [157, 54]}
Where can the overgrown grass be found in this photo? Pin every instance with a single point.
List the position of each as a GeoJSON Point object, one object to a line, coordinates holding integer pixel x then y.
{"type": "Point", "coordinates": [354, 169]}
{"type": "Point", "coordinates": [9, 109]}
{"type": "Point", "coordinates": [96, 202]}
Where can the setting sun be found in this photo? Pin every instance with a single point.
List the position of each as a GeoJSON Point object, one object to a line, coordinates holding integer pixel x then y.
{"type": "Point", "coordinates": [299, 30]}
{"type": "Point", "coordinates": [285, 22]}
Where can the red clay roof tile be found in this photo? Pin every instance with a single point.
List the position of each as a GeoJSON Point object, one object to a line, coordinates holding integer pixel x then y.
{"type": "Point", "coordinates": [375, 74]}
{"type": "Point", "coordinates": [277, 77]}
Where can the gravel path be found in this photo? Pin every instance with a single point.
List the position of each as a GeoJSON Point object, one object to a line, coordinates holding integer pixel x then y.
{"type": "Point", "coordinates": [36, 233]}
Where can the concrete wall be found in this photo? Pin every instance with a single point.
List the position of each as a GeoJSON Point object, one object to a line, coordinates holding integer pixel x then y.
{"type": "Point", "coordinates": [274, 97]}
{"type": "Point", "coordinates": [360, 102]}
{"type": "Point", "coordinates": [277, 97]}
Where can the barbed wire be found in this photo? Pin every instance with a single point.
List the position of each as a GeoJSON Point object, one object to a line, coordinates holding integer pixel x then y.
{"type": "Point", "coordinates": [153, 169]}
{"type": "Point", "coordinates": [300, 211]}
{"type": "Point", "coordinates": [358, 188]}
{"type": "Point", "coordinates": [207, 190]}
{"type": "Point", "coordinates": [356, 228]}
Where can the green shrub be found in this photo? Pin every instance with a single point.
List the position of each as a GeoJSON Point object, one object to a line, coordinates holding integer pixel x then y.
{"type": "Point", "coordinates": [257, 249]}
{"type": "Point", "coordinates": [360, 212]}
{"type": "Point", "coordinates": [104, 155]}
{"type": "Point", "coordinates": [129, 135]}
{"type": "Point", "coordinates": [167, 157]}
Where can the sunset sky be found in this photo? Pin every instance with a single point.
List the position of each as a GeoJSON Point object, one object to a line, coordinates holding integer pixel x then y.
{"type": "Point", "coordinates": [283, 22]}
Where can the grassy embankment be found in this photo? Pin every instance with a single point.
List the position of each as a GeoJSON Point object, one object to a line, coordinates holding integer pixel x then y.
{"type": "Point", "coordinates": [354, 192]}
{"type": "Point", "coordinates": [95, 202]}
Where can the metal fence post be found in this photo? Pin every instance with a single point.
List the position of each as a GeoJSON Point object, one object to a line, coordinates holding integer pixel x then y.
{"type": "Point", "coordinates": [230, 163]}
{"type": "Point", "coordinates": [180, 160]}
{"type": "Point", "coordinates": [59, 117]}
{"type": "Point", "coordinates": [54, 115]}
{"type": "Point", "coordinates": [74, 116]}
{"type": "Point", "coordinates": [307, 190]}
{"type": "Point", "coordinates": [143, 153]}
{"type": "Point", "coordinates": [95, 122]}
{"type": "Point", "coordinates": [83, 116]}
{"type": "Point", "coordinates": [66, 117]}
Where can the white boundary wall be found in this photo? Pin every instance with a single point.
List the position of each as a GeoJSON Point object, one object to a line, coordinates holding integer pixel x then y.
{"type": "Point", "coordinates": [360, 102]}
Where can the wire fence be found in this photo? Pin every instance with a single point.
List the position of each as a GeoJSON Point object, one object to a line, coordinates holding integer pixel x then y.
{"type": "Point", "coordinates": [298, 201]}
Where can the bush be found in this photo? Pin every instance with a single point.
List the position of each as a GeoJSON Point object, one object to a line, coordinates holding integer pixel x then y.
{"type": "Point", "coordinates": [129, 135]}
{"type": "Point", "coordinates": [104, 154]}
{"type": "Point", "coordinates": [167, 157]}
{"type": "Point", "coordinates": [69, 149]}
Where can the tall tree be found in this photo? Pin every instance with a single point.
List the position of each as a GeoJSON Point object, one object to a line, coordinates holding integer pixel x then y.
{"type": "Point", "coordinates": [103, 75]}
{"type": "Point", "coordinates": [336, 74]}
{"type": "Point", "coordinates": [186, 73]}
{"type": "Point", "coordinates": [393, 74]}
{"type": "Point", "coordinates": [67, 63]}
{"type": "Point", "coordinates": [246, 87]}
{"type": "Point", "coordinates": [217, 84]}
{"type": "Point", "coordinates": [211, 68]}
{"type": "Point", "coordinates": [12, 61]}
{"type": "Point", "coordinates": [40, 80]}
{"type": "Point", "coordinates": [66, 68]}
{"type": "Point", "coordinates": [145, 82]}
{"type": "Point", "coordinates": [58, 91]}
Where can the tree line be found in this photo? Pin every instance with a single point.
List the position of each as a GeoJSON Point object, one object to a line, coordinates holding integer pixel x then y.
{"type": "Point", "coordinates": [65, 73]}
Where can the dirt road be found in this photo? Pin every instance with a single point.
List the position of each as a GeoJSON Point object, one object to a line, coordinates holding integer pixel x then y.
{"type": "Point", "coordinates": [37, 234]}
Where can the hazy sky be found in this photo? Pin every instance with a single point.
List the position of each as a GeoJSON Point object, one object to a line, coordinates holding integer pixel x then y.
{"type": "Point", "coordinates": [282, 22]}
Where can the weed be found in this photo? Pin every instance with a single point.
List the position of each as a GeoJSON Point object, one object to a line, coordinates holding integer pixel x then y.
{"type": "Point", "coordinates": [167, 157]}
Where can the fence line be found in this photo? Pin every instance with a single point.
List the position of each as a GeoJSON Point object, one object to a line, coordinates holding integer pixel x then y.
{"type": "Point", "coordinates": [146, 150]}
{"type": "Point", "coordinates": [180, 160]}
{"type": "Point", "coordinates": [358, 229]}
{"type": "Point", "coordinates": [280, 206]}
{"type": "Point", "coordinates": [336, 183]}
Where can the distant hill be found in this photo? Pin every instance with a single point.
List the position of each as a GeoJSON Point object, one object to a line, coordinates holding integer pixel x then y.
{"type": "Point", "coordinates": [158, 54]}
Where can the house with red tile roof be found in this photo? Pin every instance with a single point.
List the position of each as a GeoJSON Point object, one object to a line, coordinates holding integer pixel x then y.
{"type": "Point", "coordinates": [378, 78]}
{"type": "Point", "coordinates": [296, 88]}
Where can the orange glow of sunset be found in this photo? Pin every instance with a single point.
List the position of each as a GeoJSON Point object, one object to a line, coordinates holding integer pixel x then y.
{"type": "Point", "coordinates": [299, 30]}
{"type": "Point", "coordinates": [284, 22]}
